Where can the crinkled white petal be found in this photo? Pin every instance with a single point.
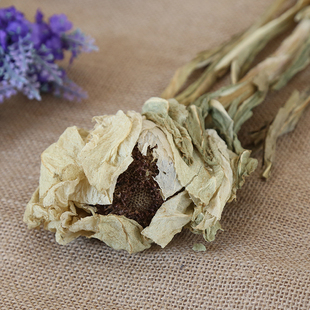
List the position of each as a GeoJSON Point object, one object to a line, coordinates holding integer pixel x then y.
{"type": "Point", "coordinates": [59, 161]}
{"type": "Point", "coordinates": [88, 194]}
{"type": "Point", "coordinates": [218, 201]}
{"type": "Point", "coordinates": [152, 136]}
{"type": "Point", "coordinates": [210, 187]}
{"type": "Point", "coordinates": [169, 220]}
{"type": "Point", "coordinates": [117, 232]}
{"type": "Point", "coordinates": [108, 152]}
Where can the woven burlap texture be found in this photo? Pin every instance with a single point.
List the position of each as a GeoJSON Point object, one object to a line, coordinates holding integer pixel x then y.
{"type": "Point", "coordinates": [260, 260]}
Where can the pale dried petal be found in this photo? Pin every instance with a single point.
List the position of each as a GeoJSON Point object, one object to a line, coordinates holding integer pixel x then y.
{"type": "Point", "coordinates": [223, 181]}
{"type": "Point", "coordinates": [199, 247]}
{"type": "Point", "coordinates": [200, 180]}
{"type": "Point", "coordinates": [62, 177]}
{"type": "Point", "coordinates": [210, 187]}
{"type": "Point", "coordinates": [169, 220]}
{"type": "Point", "coordinates": [86, 193]}
{"type": "Point", "coordinates": [167, 114]}
{"type": "Point", "coordinates": [53, 218]}
{"type": "Point", "coordinates": [59, 161]}
{"type": "Point", "coordinates": [108, 153]}
{"type": "Point", "coordinates": [152, 136]}
{"type": "Point", "coordinates": [33, 216]}
{"type": "Point", "coordinates": [116, 231]}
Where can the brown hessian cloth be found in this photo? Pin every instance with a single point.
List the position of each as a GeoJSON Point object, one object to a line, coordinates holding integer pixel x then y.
{"type": "Point", "coordinates": [260, 260]}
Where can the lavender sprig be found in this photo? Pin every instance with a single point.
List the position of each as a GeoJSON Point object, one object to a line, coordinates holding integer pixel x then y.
{"type": "Point", "coordinates": [28, 52]}
{"type": "Point", "coordinates": [77, 42]}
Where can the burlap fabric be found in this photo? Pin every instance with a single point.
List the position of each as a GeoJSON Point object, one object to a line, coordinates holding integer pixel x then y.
{"type": "Point", "coordinates": [260, 261]}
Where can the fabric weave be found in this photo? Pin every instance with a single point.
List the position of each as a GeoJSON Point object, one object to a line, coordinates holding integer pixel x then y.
{"type": "Point", "coordinates": [260, 260]}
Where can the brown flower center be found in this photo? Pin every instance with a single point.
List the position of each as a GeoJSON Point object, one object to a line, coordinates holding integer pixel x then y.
{"type": "Point", "coordinates": [137, 195]}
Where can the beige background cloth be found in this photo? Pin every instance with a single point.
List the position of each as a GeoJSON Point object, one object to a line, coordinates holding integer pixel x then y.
{"type": "Point", "coordinates": [260, 261]}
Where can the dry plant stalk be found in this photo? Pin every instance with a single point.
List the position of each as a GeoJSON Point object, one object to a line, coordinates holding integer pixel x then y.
{"type": "Point", "coordinates": [284, 122]}
{"type": "Point", "coordinates": [237, 54]}
{"type": "Point", "coordinates": [292, 56]}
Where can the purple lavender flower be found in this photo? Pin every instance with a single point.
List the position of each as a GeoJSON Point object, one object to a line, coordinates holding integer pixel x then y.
{"type": "Point", "coordinates": [77, 43]}
{"type": "Point", "coordinates": [8, 15]}
{"type": "Point", "coordinates": [28, 52]}
{"type": "Point", "coordinates": [3, 38]}
{"type": "Point", "coordinates": [59, 23]}
{"type": "Point", "coordinates": [40, 30]}
{"type": "Point", "coordinates": [54, 44]}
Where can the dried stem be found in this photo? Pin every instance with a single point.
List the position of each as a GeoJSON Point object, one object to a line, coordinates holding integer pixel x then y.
{"type": "Point", "coordinates": [291, 57]}
{"type": "Point", "coordinates": [284, 122]}
{"type": "Point", "coordinates": [238, 53]}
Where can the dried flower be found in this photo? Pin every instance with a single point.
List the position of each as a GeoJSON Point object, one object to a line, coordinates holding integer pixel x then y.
{"type": "Point", "coordinates": [28, 52]}
{"type": "Point", "coordinates": [137, 179]}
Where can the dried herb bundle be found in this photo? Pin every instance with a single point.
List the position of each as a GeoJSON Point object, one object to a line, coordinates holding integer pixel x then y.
{"type": "Point", "coordinates": [137, 179]}
{"type": "Point", "coordinates": [237, 54]}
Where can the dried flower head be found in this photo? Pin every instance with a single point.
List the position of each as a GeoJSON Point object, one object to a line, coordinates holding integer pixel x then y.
{"type": "Point", "coordinates": [137, 179]}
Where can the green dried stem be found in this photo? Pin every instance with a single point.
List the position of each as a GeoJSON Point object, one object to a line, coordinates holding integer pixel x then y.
{"type": "Point", "coordinates": [291, 57]}
{"type": "Point", "coordinates": [237, 54]}
{"type": "Point", "coordinates": [285, 121]}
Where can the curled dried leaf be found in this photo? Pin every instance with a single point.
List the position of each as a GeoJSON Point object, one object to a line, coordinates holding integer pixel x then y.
{"type": "Point", "coordinates": [284, 122]}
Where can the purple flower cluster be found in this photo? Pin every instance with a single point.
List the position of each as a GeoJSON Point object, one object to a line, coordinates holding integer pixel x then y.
{"type": "Point", "coordinates": [28, 52]}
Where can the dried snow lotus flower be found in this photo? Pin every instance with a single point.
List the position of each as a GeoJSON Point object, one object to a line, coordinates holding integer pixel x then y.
{"type": "Point", "coordinates": [135, 179]}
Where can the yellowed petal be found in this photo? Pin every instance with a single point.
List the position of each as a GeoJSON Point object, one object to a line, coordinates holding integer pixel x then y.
{"type": "Point", "coordinates": [59, 161]}
{"type": "Point", "coordinates": [88, 194]}
{"type": "Point", "coordinates": [34, 214]}
{"type": "Point", "coordinates": [209, 187]}
{"type": "Point", "coordinates": [108, 152]}
{"type": "Point", "coordinates": [54, 218]}
{"type": "Point", "coordinates": [152, 136]}
{"type": "Point", "coordinates": [169, 220]}
{"type": "Point", "coordinates": [116, 231]}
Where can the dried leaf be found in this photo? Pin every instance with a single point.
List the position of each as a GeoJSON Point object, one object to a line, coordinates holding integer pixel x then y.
{"type": "Point", "coordinates": [300, 61]}
{"type": "Point", "coordinates": [259, 39]}
{"type": "Point", "coordinates": [240, 99]}
{"type": "Point", "coordinates": [199, 247]}
{"type": "Point", "coordinates": [182, 74]}
{"type": "Point", "coordinates": [285, 121]}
